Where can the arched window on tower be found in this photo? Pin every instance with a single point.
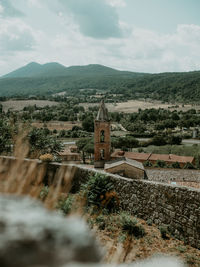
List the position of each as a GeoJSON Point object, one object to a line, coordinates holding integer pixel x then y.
{"type": "Point", "coordinates": [102, 136]}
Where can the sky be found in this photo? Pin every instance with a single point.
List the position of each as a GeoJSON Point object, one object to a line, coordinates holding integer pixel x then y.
{"type": "Point", "coordinates": [137, 35]}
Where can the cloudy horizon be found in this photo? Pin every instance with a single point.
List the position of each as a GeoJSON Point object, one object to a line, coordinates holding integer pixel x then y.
{"type": "Point", "coordinates": [136, 35]}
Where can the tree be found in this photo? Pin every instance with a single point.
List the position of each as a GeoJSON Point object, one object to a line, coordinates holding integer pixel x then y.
{"type": "Point", "coordinates": [41, 143]}
{"type": "Point", "coordinates": [175, 140]}
{"type": "Point", "coordinates": [88, 124]}
{"type": "Point", "coordinates": [158, 140]}
{"type": "Point", "coordinates": [85, 146]}
{"type": "Point", "coordinates": [5, 135]}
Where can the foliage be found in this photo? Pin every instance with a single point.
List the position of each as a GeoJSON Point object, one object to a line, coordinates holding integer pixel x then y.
{"type": "Point", "coordinates": [125, 142]}
{"type": "Point", "coordinates": [46, 157]}
{"type": "Point", "coordinates": [43, 143]}
{"type": "Point", "coordinates": [176, 165]}
{"type": "Point", "coordinates": [149, 222]}
{"type": "Point", "coordinates": [147, 163]}
{"type": "Point", "coordinates": [99, 191]}
{"type": "Point", "coordinates": [65, 204]}
{"type": "Point", "coordinates": [160, 164]}
{"type": "Point", "coordinates": [5, 135]}
{"type": "Point", "coordinates": [189, 165]}
{"type": "Point", "coordinates": [100, 220]}
{"type": "Point", "coordinates": [131, 226]}
{"type": "Point", "coordinates": [44, 192]}
{"type": "Point", "coordinates": [164, 232]}
{"type": "Point", "coordinates": [88, 124]}
{"type": "Point", "coordinates": [164, 86]}
{"type": "Point", "coordinates": [159, 140]}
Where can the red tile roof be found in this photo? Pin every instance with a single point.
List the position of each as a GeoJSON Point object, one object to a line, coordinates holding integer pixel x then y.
{"type": "Point", "coordinates": [131, 155]}
{"type": "Point", "coordinates": [152, 157]}
{"type": "Point", "coordinates": [171, 158]}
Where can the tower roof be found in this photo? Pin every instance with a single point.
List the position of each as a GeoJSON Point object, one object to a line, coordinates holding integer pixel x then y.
{"type": "Point", "coordinates": [102, 113]}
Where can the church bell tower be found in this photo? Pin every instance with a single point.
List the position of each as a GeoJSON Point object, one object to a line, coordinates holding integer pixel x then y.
{"type": "Point", "coordinates": [101, 137]}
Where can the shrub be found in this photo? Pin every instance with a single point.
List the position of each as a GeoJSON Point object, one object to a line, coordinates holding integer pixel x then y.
{"type": "Point", "coordinates": [176, 165]}
{"type": "Point", "coordinates": [65, 204]}
{"type": "Point", "coordinates": [99, 191]}
{"type": "Point", "coordinates": [46, 157]}
{"type": "Point", "coordinates": [149, 222]}
{"type": "Point", "coordinates": [160, 164]}
{"type": "Point", "coordinates": [147, 164]}
{"type": "Point", "coordinates": [189, 165]}
{"type": "Point", "coordinates": [164, 232]}
{"type": "Point", "coordinates": [100, 220]}
{"type": "Point", "coordinates": [131, 226]}
{"type": "Point", "coordinates": [44, 193]}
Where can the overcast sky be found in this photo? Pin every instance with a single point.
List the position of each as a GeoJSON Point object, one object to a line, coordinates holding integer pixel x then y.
{"type": "Point", "coordinates": [137, 35]}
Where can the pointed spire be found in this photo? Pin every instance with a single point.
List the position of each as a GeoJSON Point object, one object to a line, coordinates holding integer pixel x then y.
{"type": "Point", "coordinates": [102, 113]}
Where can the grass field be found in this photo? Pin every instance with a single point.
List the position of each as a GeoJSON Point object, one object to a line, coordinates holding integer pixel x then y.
{"type": "Point", "coordinates": [20, 104]}
{"type": "Point", "coordinates": [134, 105]}
{"type": "Point", "coordinates": [58, 125]}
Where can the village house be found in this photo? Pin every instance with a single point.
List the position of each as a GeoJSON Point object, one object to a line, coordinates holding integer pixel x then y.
{"type": "Point", "coordinates": [70, 154]}
{"type": "Point", "coordinates": [127, 168]}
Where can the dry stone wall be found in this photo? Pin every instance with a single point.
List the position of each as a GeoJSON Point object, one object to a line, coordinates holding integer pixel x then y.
{"type": "Point", "coordinates": [180, 175]}
{"type": "Point", "coordinates": [174, 206]}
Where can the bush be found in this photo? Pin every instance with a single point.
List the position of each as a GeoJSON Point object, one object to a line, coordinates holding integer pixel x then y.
{"type": "Point", "coordinates": [176, 165]}
{"type": "Point", "coordinates": [44, 192]}
{"type": "Point", "coordinates": [149, 222]}
{"type": "Point", "coordinates": [65, 204]}
{"type": "Point", "coordinates": [164, 232]}
{"type": "Point", "coordinates": [147, 164]}
{"type": "Point", "coordinates": [158, 140]}
{"type": "Point", "coordinates": [46, 157]}
{"type": "Point", "coordinates": [99, 191]}
{"type": "Point", "coordinates": [160, 164]}
{"type": "Point", "coordinates": [189, 165]}
{"type": "Point", "coordinates": [131, 226]}
{"type": "Point", "coordinates": [100, 220]}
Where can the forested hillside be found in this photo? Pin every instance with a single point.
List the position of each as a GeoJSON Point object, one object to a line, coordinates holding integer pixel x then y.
{"type": "Point", "coordinates": [51, 78]}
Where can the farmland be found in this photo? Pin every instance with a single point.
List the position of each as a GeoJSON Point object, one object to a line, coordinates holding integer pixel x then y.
{"type": "Point", "coordinates": [20, 104]}
{"type": "Point", "coordinates": [133, 106]}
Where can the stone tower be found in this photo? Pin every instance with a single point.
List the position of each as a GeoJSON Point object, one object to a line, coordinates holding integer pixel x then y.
{"type": "Point", "coordinates": [101, 137]}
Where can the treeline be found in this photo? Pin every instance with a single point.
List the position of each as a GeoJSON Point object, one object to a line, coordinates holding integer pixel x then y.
{"type": "Point", "coordinates": [167, 87]}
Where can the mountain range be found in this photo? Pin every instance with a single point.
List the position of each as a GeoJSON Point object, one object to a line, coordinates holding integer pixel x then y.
{"type": "Point", "coordinates": [55, 69]}
{"type": "Point", "coordinates": [51, 78]}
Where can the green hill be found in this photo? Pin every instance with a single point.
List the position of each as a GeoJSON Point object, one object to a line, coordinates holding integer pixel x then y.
{"type": "Point", "coordinates": [34, 69]}
{"type": "Point", "coordinates": [51, 78]}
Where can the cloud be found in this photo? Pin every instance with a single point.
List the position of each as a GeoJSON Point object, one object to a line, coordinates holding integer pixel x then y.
{"type": "Point", "coordinates": [116, 3]}
{"type": "Point", "coordinates": [15, 35]}
{"type": "Point", "coordinates": [96, 18]}
{"type": "Point", "coordinates": [8, 10]}
{"type": "Point", "coordinates": [35, 3]}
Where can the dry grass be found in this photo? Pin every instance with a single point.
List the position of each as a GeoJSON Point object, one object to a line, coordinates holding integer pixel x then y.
{"type": "Point", "coordinates": [25, 177]}
{"type": "Point", "coordinates": [20, 104]}
{"type": "Point", "coordinates": [134, 105]}
{"type": "Point", "coordinates": [121, 248]}
{"type": "Point", "coordinates": [58, 125]}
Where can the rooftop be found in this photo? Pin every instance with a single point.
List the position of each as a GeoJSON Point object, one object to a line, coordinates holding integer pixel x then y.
{"type": "Point", "coordinates": [153, 157]}
{"type": "Point", "coordinates": [120, 161]}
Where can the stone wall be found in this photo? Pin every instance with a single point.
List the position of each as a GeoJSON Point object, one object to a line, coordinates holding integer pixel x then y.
{"type": "Point", "coordinates": [180, 175]}
{"type": "Point", "coordinates": [175, 206]}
